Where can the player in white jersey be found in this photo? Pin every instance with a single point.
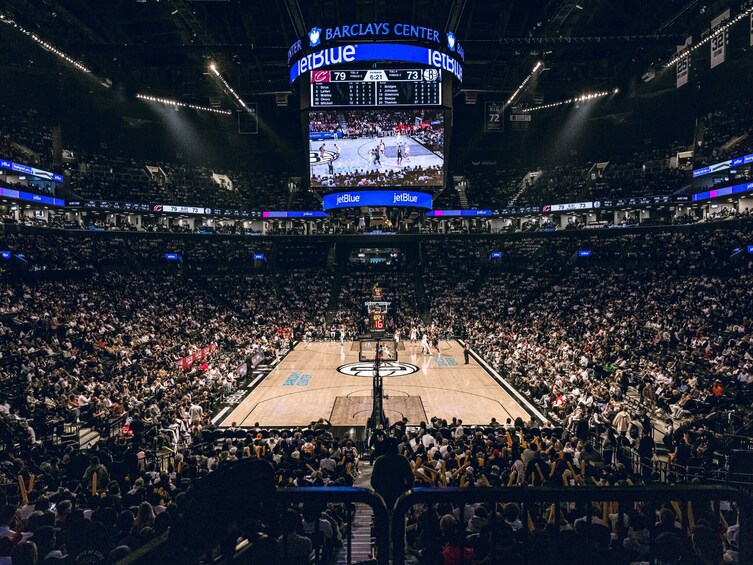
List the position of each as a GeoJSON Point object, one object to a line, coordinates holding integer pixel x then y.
{"type": "Point", "coordinates": [425, 347]}
{"type": "Point", "coordinates": [413, 335]}
{"type": "Point", "coordinates": [397, 336]}
{"type": "Point", "coordinates": [406, 152]}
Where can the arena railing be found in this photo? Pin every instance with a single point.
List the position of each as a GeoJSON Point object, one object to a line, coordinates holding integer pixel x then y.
{"type": "Point", "coordinates": [536, 502]}
{"type": "Point", "coordinates": [165, 548]}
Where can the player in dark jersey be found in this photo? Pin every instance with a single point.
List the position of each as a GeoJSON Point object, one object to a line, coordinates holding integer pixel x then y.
{"type": "Point", "coordinates": [399, 154]}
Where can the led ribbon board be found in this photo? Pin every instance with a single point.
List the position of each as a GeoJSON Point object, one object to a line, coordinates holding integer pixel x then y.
{"type": "Point", "coordinates": [377, 198]}
{"type": "Point", "coordinates": [348, 54]}
{"type": "Point", "coordinates": [27, 170]}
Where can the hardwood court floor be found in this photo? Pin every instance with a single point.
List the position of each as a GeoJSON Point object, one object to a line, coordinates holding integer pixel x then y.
{"type": "Point", "coordinates": [307, 386]}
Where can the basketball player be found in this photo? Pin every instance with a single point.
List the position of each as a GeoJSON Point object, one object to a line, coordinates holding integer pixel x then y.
{"type": "Point", "coordinates": [381, 146]}
{"type": "Point", "coordinates": [399, 154]}
{"type": "Point", "coordinates": [406, 152]}
{"type": "Point", "coordinates": [385, 356]}
{"type": "Point", "coordinates": [337, 149]}
{"type": "Point", "coordinates": [342, 337]}
{"type": "Point", "coordinates": [413, 336]}
{"type": "Point", "coordinates": [425, 349]}
{"type": "Point", "coordinates": [321, 150]}
{"type": "Point", "coordinates": [397, 336]}
{"type": "Point", "coordinates": [377, 158]}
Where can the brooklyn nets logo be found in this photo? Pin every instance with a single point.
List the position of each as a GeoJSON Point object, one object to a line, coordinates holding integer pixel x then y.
{"type": "Point", "coordinates": [315, 158]}
{"type": "Point", "coordinates": [386, 369]}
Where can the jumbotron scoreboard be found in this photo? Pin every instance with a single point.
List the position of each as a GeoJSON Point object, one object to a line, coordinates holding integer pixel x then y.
{"type": "Point", "coordinates": [376, 87]}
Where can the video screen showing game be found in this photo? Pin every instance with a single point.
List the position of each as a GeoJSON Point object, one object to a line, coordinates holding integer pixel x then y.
{"type": "Point", "coordinates": [376, 148]}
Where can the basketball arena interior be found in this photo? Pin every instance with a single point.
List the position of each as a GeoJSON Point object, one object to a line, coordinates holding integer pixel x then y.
{"type": "Point", "coordinates": [375, 282]}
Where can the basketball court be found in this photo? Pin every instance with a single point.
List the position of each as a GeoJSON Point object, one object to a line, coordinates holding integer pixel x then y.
{"type": "Point", "coordinates": [355, 154]}
{"type": "Point", "coordinates": [323, 379]}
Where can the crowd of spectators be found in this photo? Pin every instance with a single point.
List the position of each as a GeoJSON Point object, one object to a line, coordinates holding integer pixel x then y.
{"type": "Point", "coordinates": [664, 315]}
{"type": "Point", "coordinates": [727, 133]}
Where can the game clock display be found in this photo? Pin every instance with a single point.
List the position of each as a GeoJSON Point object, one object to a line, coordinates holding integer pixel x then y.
{"type": "Point", "coordinates": [376, 87]}
{"type": "Point", "coordinates": [377, 321]}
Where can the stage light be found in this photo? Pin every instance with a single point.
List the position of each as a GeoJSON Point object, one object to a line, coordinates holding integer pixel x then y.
{"type": "Point", "coordinates": [582, 98]}
{"type": "Point", "coordinates": [49, 47]}
{"type": "Point", "coordinates": [721, 29]}
{"type": "Point", "coordinates": [227, 87]}
{"type": "Point", "coordinates": [539, 65]}
{"type": "Point", "coordinates": [177, 104]}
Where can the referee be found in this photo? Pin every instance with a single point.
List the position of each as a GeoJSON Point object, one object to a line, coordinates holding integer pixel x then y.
{"type": "Point", "coordinates": [467, 352]}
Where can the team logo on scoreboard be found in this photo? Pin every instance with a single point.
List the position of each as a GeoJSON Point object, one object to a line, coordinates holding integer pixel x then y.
{"type": "Point", "coordinates": [451, 41]}
{"type": "Point", "coordinates": [321, 157]}
{"type": "Point", "coordinates": [386, 369]}
{"type": "Point", "coordinates": [319, 76]}
{"type": "Point", "coordinates": [315, 36]}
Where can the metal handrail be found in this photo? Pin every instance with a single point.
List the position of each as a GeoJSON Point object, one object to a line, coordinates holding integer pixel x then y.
{"type": "Point", "coordinates": [295, 496]}
{"type": "Point", "coordinates": [624, 496]}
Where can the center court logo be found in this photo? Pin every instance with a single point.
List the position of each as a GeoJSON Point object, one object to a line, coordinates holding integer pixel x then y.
{"type": "Point", "coordinates": [387, 369]}
{"type": "Point", "coordinates": [316, 158]}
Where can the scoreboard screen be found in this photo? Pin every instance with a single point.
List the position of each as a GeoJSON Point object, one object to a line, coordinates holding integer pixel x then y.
{"type": "Point", "coordinates": [376, 87]}
{"type": "Point", "coordinates": [377, 322]}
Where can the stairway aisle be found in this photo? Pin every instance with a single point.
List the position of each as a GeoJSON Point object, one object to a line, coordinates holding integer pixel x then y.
{"type": "Point", "coordinates": [361, 542]}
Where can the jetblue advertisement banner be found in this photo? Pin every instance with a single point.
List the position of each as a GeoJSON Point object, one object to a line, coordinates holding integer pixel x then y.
{"type": "Point", "coordinates": [320, 135]}
{"type": "Point", "coordinates": [27, 170]}
{"type": "Point", "coordinates": [30, 197]}
{"type": "Point", "coordinates": [347, 54]}
{"type": "Point", "coordinates": [458, 213]}
{"type": "Point", "coordinates": [738, 188]}
{"type": "Point", "coordinates": [298, 214]}
{"type": "Point", "coordinates": [377, 198]}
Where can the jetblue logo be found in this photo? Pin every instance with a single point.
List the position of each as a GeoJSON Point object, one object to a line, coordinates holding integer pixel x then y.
{"type": "Point", "coordinates": [349, 199]}
{"type": "Point", "coordinates": [327, 57]}
{"type": "Point", "coordinates": [445, 62]}
{"type": "Point", "coordinates": [404, 197]}
{"type": "Point", "coordinates": [315, 36]}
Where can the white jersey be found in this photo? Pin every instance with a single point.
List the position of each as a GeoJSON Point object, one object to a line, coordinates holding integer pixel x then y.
{"type": "Point", "coordinates": [413, 334]}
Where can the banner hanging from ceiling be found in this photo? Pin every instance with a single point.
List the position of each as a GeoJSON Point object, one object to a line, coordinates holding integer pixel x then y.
{"type": "Point", "coordinates": [719, 41]}
{"type": "Point", "coordinates": [683, 65]}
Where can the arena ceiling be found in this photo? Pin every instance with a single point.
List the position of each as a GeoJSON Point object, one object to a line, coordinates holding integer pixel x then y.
{"type": "Point", "coordinates": [164, 46]}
